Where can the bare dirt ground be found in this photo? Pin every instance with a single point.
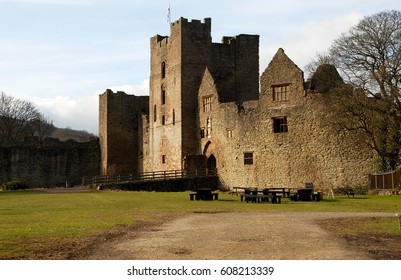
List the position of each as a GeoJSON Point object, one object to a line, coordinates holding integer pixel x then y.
{"type": "Point", "coordinates": [232, 235]}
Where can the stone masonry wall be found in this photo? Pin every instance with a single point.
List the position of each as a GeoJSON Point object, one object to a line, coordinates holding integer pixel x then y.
{"type": "Point", "coordinates": [49, 163]}
{"type": "Point", "coordinates": [205, 101]}
{"type": "Point", "coordinates": [309, 151]}
{"type": "Point", "coordinates": [120, 131]}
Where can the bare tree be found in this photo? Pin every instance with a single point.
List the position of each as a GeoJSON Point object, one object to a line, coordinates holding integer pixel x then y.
{"type": "Point", "coordinates": [41, 126]}
{"type": "Point", "coordinates": [320, 59]}
{"type": "Point", "coordinates": [369, 58]}
{"type": "Point", "coordinates": [19, 118]}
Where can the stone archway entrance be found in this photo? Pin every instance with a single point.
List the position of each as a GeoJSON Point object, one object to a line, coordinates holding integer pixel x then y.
{"type": "Point", "coordinates": [211, 162]}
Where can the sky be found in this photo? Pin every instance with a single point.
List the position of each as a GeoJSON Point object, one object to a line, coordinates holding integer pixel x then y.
{"type": "Point", "coordinates": [61, 54]}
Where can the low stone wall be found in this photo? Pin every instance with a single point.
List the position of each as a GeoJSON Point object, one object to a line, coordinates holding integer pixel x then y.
{"type": "Point", "coordinates": [169, 185]}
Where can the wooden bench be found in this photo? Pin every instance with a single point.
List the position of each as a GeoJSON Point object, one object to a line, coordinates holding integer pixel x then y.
{"type": "Point", "coordinates": [193, 196]}
{"type": "Point", "coordinates": [274, 198]}
{"type": "Point", "coordinates": [261, 198]}
{"type": "Point", "coordinates": [250, 197]}
{"type": "Point", "coordinates": [238, 190]}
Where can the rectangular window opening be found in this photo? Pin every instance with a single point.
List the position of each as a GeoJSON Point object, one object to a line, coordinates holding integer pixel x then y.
{"type": "Point", "coordinates": [280, 125]}
{"type": "Point", "coordinates": [280, 92]}
{"type": "Point", "coordinates": [202, 133]}
{"type": "Point", "coordinates": [248, 158]}
{"type": "Point", "coordinates": [163, 96]}
{"type": "Point", "coordinates": [207, 103]}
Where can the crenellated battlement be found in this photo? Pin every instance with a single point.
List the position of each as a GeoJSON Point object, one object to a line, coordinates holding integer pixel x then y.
{"type": "Point", "coordinates": [180, 26]}
{"type": "Point", "coordinates": [195, 23]}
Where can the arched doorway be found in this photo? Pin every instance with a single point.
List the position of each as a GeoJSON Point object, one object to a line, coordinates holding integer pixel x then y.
{"type": "Point", "coordinates": [211, 162]}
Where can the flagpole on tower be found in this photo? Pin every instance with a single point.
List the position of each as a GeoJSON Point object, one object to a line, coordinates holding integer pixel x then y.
{"type": "Point", "coordinates": [169, 14]}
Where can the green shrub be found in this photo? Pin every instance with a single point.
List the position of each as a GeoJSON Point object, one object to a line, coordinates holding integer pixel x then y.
{"type": "Point", "coordinates": [13, 186]}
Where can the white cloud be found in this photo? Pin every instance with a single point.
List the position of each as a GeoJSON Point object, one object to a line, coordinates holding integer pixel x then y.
{"type": "Point", "coordinates": [139, 89]}
{"type": "Point", "coordinates": [310, 38]}
{"type": "Point", "coordinates": [80, 113]}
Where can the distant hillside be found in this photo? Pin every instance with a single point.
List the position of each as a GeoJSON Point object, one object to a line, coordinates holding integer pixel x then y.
{"type": "Point", "coordinates": [64, 134]}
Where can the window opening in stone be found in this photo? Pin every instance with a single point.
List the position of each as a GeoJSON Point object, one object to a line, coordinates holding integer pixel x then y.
{"type": "Point", "coordinates": [154, 113]}
{"type": "Point", "coordinates": [280, 92]}
{"type": "Point", "coordinates": [173, 117]}
{"type": "Point", "coordinates": [163, 70]}
{"type": "Point", "coordinates": [163, 159]}
{"type": "Point", "coordinates": [163, 120]}
{"type": "Point", "coordinates": [280, 125]}
{"type": "Point", "coordinates": [207, 103]}
{"type": "Point", "coordinates": [202, 133]}
{"type": "Point", "coordinates": [248, 158]}
{"type": "Point", "coordinates": [163, 97]}
{"type": "Point", "coordinates": [208, 127]}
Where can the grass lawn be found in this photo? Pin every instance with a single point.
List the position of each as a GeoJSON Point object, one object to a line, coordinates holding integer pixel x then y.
{"type": "Point", "coordinates": [32, 222]}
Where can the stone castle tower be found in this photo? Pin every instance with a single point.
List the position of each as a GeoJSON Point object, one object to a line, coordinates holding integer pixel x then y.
{"type": "Point", "coordinates": [121, 121]}
{"type": "Point", "coordinates": [177, 64]}
{"type": "Point", "coordinates": [205, 109]}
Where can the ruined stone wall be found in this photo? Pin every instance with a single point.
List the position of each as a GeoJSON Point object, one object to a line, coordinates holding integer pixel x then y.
{"type": "Point", "coordinates": [247, 68]}
{"type": "Point", "coordinates": [49, 163]}
{"type": "Point", "coordinates": [205, 100]}
{"type": "Point", "coordinates": [120, 129]}
{"type": "Point", "coordinates": [307, 150]}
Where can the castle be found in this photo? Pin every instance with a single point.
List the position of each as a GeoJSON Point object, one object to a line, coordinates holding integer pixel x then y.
{"type": "Point", "coordinates": [208, 108]}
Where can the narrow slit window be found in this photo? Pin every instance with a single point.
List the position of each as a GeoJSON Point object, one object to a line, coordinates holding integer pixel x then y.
{"type": "Point", "coordinates": [163, 70]}
{"type": "Point", "coordinates": [202, 133]}
{"type": "Point", "coordinates": [163, 96]}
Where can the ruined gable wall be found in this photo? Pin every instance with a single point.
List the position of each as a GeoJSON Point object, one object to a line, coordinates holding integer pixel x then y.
{"type": "Point", "coordinates": [308, 152]}
{"type": "Point", "coordinates": [282, 74]}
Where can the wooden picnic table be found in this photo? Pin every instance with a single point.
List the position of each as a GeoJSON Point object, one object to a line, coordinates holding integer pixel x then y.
{"type": "Point", "coordinates": [255, 195]}
{"type": "Point", "coordinates": [284, 191]}
{"type": "Point", "coordinates": [204, 194]}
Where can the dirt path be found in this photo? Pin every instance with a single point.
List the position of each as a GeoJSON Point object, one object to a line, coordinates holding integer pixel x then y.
{"type": "Point", "coordinates": [236, 236]}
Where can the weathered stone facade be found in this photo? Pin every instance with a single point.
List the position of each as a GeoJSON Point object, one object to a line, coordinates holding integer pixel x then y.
{"type": "Point", "coordinates": [205, 104]}
{"type": "Point", "coordinates": [50, 162]}
{"type": "Point", "coordinates": [122, 118]}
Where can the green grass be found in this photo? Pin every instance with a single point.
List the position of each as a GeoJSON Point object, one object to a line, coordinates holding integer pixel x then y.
{"type": "Point", "coordinates": [33, 221]}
